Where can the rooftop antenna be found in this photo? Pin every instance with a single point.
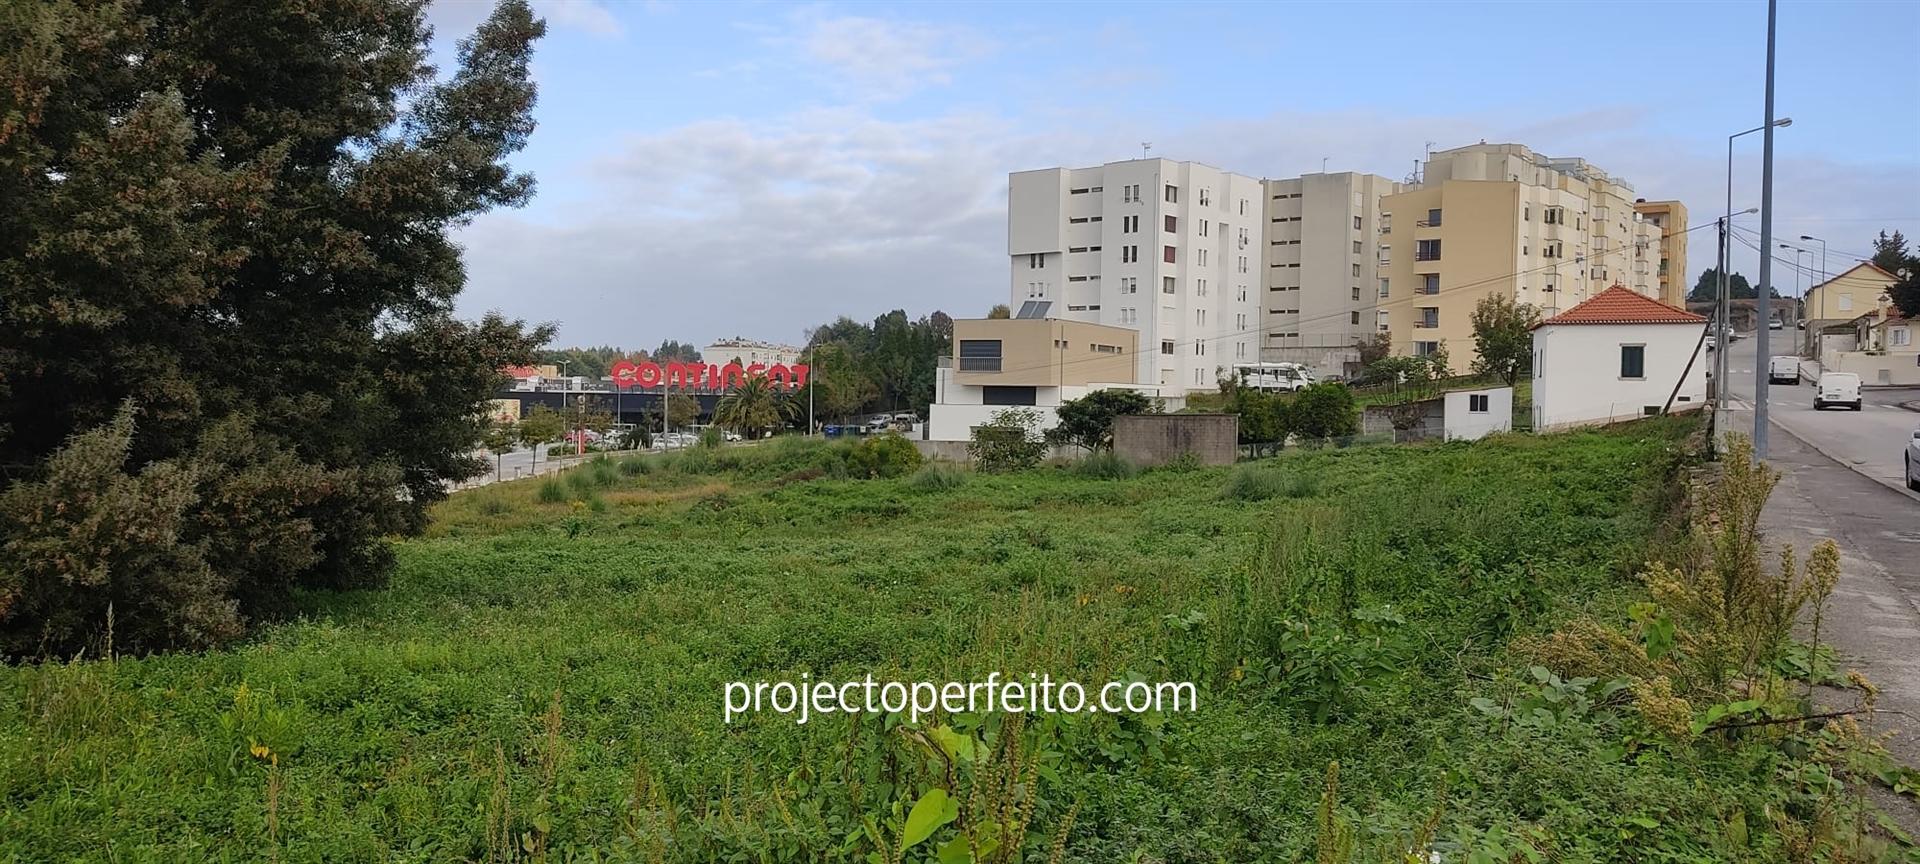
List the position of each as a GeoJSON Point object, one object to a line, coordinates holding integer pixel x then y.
{"type": "Point", "coordinates": [1145, 148]}
{"type": "Point", "coordinates": [1323, 164]}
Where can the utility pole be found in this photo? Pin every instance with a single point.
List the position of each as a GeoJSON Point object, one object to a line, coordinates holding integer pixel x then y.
{"type": "Point", "coordinates": [1762, 357]}
{"type": "Point", "coordinates": [1722, 343]}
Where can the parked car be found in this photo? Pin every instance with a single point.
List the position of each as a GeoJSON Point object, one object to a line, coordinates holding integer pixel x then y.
{"type": "Point", "coordinates": [1712, 343]}
{"type": "Point", "coordinates": [1783, 369]}
{"type": "Point", "coordinates": [1913, 460]}
{"type": "Point", "coordinates": [1774, 324]}
{"type": "Point", "coordinates": [730, 435]}
{"type": "Point", "coordinates": [1837, 388]}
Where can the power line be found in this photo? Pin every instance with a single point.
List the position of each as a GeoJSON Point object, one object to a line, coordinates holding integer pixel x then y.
{"type": "Point", "coordinates": [1583, 261]}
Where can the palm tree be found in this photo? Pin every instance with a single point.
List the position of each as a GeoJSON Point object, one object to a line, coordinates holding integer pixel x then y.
{"type": "Point", "coordinates": [753, 406]}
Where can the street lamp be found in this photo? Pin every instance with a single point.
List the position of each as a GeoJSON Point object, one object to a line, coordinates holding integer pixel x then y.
{"type": "Point", "coordinates": [1823, 257]}
{"type": "Point", "coordinates": [1726, 255]}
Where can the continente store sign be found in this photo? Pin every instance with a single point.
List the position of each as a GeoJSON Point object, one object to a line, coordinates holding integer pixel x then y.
{"type": "Point", "coordinates": [705, 376]}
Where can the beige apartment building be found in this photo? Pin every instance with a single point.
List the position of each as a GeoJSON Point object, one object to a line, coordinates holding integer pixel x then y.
{"type": "Point", "coordinates": [1322, 268]}
{"type": "Point", "coordinates": [1671, 271]}
{"type": "Point", "coordinates": [1500, 219]}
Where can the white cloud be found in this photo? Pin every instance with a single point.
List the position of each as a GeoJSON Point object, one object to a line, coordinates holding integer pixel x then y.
{"type": "Point", "coordinates": [873, 58]}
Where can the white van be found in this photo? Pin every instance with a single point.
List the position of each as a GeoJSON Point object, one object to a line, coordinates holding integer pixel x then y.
{"type": "Point", "coordinates": [1837, 388]}
{"type": "Point", "coordinates": [1783, 370]}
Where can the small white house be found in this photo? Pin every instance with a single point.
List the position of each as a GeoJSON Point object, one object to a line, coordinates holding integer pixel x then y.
{"type": "Point", "coordinates": [1474, 414]}
{"type": "Point", "coordinates": [1617, 356]}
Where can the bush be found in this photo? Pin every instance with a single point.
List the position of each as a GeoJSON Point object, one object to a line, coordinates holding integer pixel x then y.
{"type": "Point", "coordinates": [635, 467]}
{"type": "Point", "coordinates": [883, 456]}
{"type": "Point", "coordinates": [1251, 483]}
{"type": "Point", "coordinates": [1323, 411]}
{"type": "Point", "coordinates": [937, 477]}
{"type": "Point", "coordinates": [552, 491]}
{"type": "Point", "coordinates": [1008, 442]}
{"type": "Point", "coordinates": [1104, 465]}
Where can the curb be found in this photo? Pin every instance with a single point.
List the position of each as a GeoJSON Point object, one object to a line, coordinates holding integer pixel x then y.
{"type": "Point", "coordinates": [1844, 462]}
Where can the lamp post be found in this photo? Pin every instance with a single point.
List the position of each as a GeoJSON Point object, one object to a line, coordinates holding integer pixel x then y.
{"type": "Point", "coordinates": [1721, 316]}
{"type": "Point", "coordinates": [1760, 368]}
{"type": "Point", "coordinates": [1823, 257]}
{"type": "Point", "coordinates": [1726, 256]}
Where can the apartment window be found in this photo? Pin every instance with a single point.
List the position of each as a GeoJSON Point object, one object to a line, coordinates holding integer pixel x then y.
{"type": "Point", "coordinates": [1172, 225]}
{"type": "Point", "coordinates": [1199, 350]}
{"type": "Point", "coordinates": [1356, 293]}
{"type": "Point", "coordinates": [1136, 192]}
{"type": "Point", "coordinates": [979, 355]}
{"type": "Point", "coordinates": [1433, 218]}
{"type": "Point", "coordinates": [1129, 254]}
{"type": "Point", "coordinates": [1243, 263]}
{"type": "Point", "coordinates": [1429, 283]}
{"type": "Point", "coordinates": [1526, 213]}
{"type": "Point", "coordinates": [1036, 261]}
{"type": "Point", "coordinates": [1355, 317]}
{"type": "Point", "coordinates": [1166, 345]}
{"type": "Point", "coordinates": [1200, 317]}
{"type": "Point", "coordinates": [1203, 258]}
{"type": "Point", "coordinates": [1429, 317]}
{"type": "Point", "coordinates": [1425, 349]}
{"type": "Point", "coordinates": [1383, 287]}
{"type": "Point", "coordinates": [1356, 268]}
{"type": "Point", "coordinates": [1166, 254]}
{"type": "Point", "coordinates": [1899, 337]}
{"type": "Point", "coordinates": [1129, 284]}
{"type": "Point", "coordinates": [1173, 194]}
{"type": "Point", "coordinates": [1104, 349]}
{"type": "Point", "coordinates": [1200, 287]}
{"type": "Point", "coordinates": [1243, 206]}
{"type": "Point", "coordinates": [1206, 197]}
{"type": "Point", "coordinates": [1203, 227]}
{"type": "Point", "coordinates": [1477, 403]}
{"type": "Point", "coordinates": [1356, 223]}
{"type": "Point", "coordinates": [1004, 395]}
{"type": "Point", "coordinates": [1168, 285]}
{"type": "Point", "coordinates": [1076, 191]}
{"type": "Point", "coordinates": [1633, 361]}
{"type": "Point", "coordinates": [1240, 348]}
{"type": "Point", "coordinates": [1426, 250]}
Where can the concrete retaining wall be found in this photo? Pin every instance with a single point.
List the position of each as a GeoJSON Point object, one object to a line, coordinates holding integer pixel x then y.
{"type": "Point", "coordinates": [1156, 439]}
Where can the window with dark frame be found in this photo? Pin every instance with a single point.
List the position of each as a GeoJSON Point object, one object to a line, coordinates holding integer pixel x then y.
{"type": "Point", "coordinates": [979, 355]}
{"type": "Point", "coordinates": [1633, 361]}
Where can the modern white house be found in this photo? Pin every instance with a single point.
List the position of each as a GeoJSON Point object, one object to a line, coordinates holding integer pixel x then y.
{"type": "Point", "coordinates": [1034, 363]}
{"type": "Point", "coordinates": [1616, 356]}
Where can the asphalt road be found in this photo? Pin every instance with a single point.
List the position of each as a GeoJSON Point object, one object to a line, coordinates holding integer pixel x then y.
{"type": "Point", "coordinates": [1870, 441]}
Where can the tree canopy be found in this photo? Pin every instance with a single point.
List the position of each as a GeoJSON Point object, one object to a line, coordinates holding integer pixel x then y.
{"type": "Point", "coordinates": [1088, 421]}
{"type": "Point", "coordinates": [226, 300]}
{"type": "Point", "coordinates": [1707, 288]}
{"type": "Point", "coordinates": [1503, 334]}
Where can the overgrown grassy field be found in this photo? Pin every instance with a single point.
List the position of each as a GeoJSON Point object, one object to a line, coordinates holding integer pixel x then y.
{"type": "Point", "coordinates": [543, 677]}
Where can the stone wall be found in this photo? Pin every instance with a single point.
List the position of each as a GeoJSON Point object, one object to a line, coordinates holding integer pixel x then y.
{"type": "Point", "coordinates": [1156, 439]}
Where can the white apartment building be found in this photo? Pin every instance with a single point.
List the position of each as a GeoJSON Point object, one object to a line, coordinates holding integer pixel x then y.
{"type": "Point", "coordinates": [749, 352]}
{"type": "Point", "coordinates": [1170, 249]}
{"type": "Point", "coordinates": [1322, 263]}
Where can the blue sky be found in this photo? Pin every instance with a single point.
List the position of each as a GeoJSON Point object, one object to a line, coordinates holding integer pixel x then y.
{"type": "Point", "coordinates": [754, 169]}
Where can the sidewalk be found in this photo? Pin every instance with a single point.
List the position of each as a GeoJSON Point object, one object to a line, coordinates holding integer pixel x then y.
{"type": "Point", "coordinates": [1873, 620]}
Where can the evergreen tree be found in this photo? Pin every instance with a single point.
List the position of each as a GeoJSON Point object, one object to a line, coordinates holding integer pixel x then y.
{"type": "Point", "coordinates": [226, 279]}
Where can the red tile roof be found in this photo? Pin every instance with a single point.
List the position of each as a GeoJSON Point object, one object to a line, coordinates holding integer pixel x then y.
{"type": "Point", "coordinates": [520, 371]}
{"type": "Point", "coordinates": [1620, 305]}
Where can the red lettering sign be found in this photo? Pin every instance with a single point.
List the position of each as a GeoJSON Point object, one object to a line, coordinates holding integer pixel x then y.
{"type": "Point", "coordinates": [703, 376]}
